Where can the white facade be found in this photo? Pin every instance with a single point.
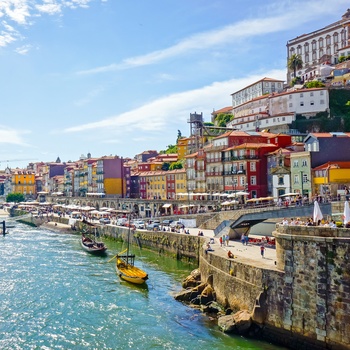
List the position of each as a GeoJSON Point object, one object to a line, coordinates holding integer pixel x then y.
{"type": "Point", "coordinates": [259, 88]}
{"type": "Point", "coordinates": [280, 184]}
{"type": "Point", "coordinates": [320, 46]}
{"type": "Point", "coordinates": [277, 111]}
{"type": "Point", "coordinates": [255, 106]}
{"type": "Point", "coordinates": [304, 101]}
{"type": "Point", "coordinates": [261, 122]}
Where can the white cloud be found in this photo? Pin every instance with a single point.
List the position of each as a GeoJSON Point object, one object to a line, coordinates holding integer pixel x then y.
{"type": "Point", "coordinates": [23, 50]}
{"type": "Point", "coordinates": [12, 136]}
{"type": "Point", "coordinates": [285, 15]}
{"type": "Point", "coordinates": [158, 114]}
{"type": "Point", "coordinates": [21, 12]}
{"type": "Point", "coordinates": [49, 7]}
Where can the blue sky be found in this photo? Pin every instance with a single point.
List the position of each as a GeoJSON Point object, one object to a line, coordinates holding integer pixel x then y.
{"type": "Point", "coordinates": [120, 77]}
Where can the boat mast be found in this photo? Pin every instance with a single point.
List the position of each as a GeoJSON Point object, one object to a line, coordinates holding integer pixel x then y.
{"type": "Point", "coordinates": [128, 243]}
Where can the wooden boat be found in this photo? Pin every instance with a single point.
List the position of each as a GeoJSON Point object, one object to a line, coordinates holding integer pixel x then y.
{"type": "Point", "coordinates": [92, 246]}
{"type": "Point", "coordinates": [126, 269]}
{"type": "Point", "coordinates": [125, 266]}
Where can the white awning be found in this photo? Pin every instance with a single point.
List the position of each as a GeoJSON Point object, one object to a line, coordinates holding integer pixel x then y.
{"type": "Point", "coordinates": [167, 205]}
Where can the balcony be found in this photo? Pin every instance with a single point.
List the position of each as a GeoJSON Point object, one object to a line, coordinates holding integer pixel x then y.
{"type": "Point", "coordinates": [214, 173]}
{"type": "Point", "coordinates": [214, 160]}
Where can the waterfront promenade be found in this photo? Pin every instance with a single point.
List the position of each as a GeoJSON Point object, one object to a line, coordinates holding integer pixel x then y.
{"type": "Point", "coordinates": [245, 254]}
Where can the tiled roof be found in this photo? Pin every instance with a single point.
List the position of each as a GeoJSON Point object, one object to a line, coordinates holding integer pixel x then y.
{"type": "Point", "coordinates": [254, 145]}
{"type": "Point", "coordinates": [222, 110]}
{"type": "Point", "coordinates": [334, 165]}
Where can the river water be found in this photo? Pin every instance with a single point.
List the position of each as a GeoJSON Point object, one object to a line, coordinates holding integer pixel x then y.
{"type": "Point", "coordinates": [53, 295]}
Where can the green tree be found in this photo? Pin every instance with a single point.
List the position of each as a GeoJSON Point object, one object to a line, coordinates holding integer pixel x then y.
{"type": "Point", "coordinates": [314, 84]}
{"type": "Point", "coordinates": [176, 165]}
{"type": "Point", "coordinates": [169, 150]}
{"type": "Point", "coordinates": [295, 63]}
{"type": "Point", "coordinates": [165, 166]}
{"type": "Point", "coordinates": [179, 135]}
{"type": "Point", "coordinates": [223, 118]}
{"type": "Point", "coordinates": [15, 197]}
{"type": "Point", "coordinates": [341, 59]}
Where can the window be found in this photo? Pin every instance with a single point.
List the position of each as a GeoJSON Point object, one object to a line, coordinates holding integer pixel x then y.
{"type": "Point", "coordinates": [311, 93]}
{"type": "Point", "coordinates": [291, 105]}
{"type": "Point", "coordinates": [304, 162]}
{"type": "Point", "coordinates": [305, 179]}
{"type": "Point", "coordinates": [281, 180]}
{"type": "Point", "coordinates": [322, 102]}
{"type": "Point", "coordinates": [290, 97]}
{"type": "Point", "coordinates": [312, 103]}
{"type": "Point", "coordinates": [295, 163]}
{"type": "Point", "coordinates": [253, 180]}
{"type": "Point", "coordinates": [296, 179]}
{"type": "Point", "coordinates": [321, 92]}
{"type": "Point", "coordinates": [252, 166]}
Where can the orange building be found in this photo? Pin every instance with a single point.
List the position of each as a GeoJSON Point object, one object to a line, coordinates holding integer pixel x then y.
{"type": "Point", "coordinates": [23, 181]}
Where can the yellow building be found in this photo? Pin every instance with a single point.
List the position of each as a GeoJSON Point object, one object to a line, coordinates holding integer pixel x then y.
{"type": "Point", "coordinates": [23, 181]}
{"type": "Point", "coordinates": [155, 166]}
{"type": "Point", "coordinates": [182, 147]}
{"type": "Point", "coordinates": [181, 185]}
{"type": "Point", "coordinates": [330, 178]}
{"type": "Point", "coordinates": [156, 184]}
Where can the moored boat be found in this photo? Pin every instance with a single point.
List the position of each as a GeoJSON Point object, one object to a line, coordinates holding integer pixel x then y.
{"type": "Point", "coordinates": [92, 246]}
{"type": "Point", "coordinates": [127, 270]}
{"type": "Point", "coordinates": [125, 267]}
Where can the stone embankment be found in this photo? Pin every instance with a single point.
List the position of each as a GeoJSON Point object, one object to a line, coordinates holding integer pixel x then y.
{"type": "Point", "coordinates": [301, 301]}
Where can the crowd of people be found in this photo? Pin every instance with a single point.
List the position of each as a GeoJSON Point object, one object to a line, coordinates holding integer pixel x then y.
{"type": "Point", "coordinates": [308, 222]}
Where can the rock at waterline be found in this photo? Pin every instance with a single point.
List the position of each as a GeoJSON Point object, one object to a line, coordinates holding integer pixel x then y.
{"type": "Point", "coordinates": [238, 323]}
{"type": "Point", "coordinates": [193, 280]}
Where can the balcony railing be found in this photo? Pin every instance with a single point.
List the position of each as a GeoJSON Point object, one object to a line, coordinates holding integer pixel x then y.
{"type": "Point", "coordinates": [214, 173]}
{"type": "Point", "coordinates": [214, 160]}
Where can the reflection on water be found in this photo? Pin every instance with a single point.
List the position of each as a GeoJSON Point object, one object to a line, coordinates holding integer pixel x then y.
{"type": "Point", "coordinates": [56, 296]}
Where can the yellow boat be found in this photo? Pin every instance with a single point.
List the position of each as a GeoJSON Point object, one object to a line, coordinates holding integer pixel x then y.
{"type": "Point", "coordinates": [127, 271]}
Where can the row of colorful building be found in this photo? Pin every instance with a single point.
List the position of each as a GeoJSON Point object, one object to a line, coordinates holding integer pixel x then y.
{"type": "Point", "coordinates": [262, 164]}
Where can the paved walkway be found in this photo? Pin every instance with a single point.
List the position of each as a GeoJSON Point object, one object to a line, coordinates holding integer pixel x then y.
{"type": "Point", "coordinates": [247, 254]}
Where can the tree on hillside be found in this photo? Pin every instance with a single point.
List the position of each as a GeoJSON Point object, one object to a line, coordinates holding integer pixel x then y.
{"type": "Point", "coordinates": [15, 197]}
{"type": "Point", "coordinates": [176, 165]}
{"type": "Point", "coordinates": [295, 63]}
{"type": "Point", "coordinates": [179, 135]}
{"type": "Point", "coordinates": [165, 166]}
{"type": "Point", "coordinates": [314, 84]}
{"type": "Point", "coordinates": [222, 119]}
{"type": "Point", "coordinates": [169, 150]}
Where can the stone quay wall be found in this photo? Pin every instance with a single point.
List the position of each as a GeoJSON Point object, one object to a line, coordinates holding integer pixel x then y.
{"type": "Point", "coordinates": [316, 264]}
{"type": "Point", "coordinates": [177, 245]}
{"type": "Point", "coordinates": [302, 302]}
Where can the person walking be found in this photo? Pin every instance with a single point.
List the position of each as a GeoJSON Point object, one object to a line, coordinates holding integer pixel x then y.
{"type": "Point", "coordinates": [227, 239]}
{"type": "Point", "coordinates": [246, 238]}
{"type": "Point", "coordinates": [220, 241]}
{"type": "Point", "coordinates": [262, 250]}
{"type": "Point", "coordinates": [223, 240]}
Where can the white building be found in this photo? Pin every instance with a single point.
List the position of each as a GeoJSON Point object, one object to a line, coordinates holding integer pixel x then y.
{"type": "Point", "coordinates": [320, 46]}
{"type": "Point", "coordinates": [262, 87]}
{"type": "Point", "coordinates": [277, 111]}
{"type": "Point", "coordinates": [307, 102]}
